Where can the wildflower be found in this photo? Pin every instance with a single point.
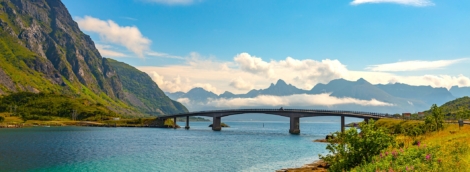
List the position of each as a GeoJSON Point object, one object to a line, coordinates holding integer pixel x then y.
{"type": "Point", "coordinates": [386, 153]}
{"type": "Point", "coordinates": [407, 168]}
{"type": "Point", "coordinates": [390, 170]}
{"type": "Point", "coordinates": [401, 150]}
{"type": "Point", "coordinates": [381, 155]}
{"type": "Point", "coordinates": [428, 157]}
{"type": "Point", "coordinates": [419, 143]}
{"type": "Point", "coordinates": [439, 160]}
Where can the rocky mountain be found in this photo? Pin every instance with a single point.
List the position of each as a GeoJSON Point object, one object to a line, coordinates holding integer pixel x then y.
{"type": "Point", "coordinates": [195, 94]}
{"type": "Point", "coordinates": [403, 97]}
{"type": "Point", "coordinates": [142, 92]}
{"type": "Point", "coordinates": [427, 94]}
{"type": "Point", "coordinates": [281, 88]}
{"type": "Point", "coordinates": [43, 50]}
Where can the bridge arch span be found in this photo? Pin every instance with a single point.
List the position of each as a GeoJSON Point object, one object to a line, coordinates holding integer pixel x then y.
{"type": "Point", "coordinates": [293, 114]}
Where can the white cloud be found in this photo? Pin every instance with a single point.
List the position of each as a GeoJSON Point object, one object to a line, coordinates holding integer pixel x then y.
{"type": "Point", "coordinates": [241, 84]}
{"type": "Point", "coordinates": [313, 71]}
{"type": "Point", "coordinates": [184, 101]}
{"type": "Point", "coordinates": [437, 81]}
{"type": "Point", "coordinates": [206, 86]}
{"type": "Point", "coordinates": [418, 3]}
{"type": "Point", "coordinates": [293, 100]}
{"type": "Point", "coordinates": [303, 74]}
{"type": "Point", "coordinates": [414, 65]}
{"type": "Point", "coordinates": [172, 85]}
{"type": "Point", "coordinates": [253, 64]}
{"type": "Point", "coordinates": [172, 2]}
{"type": "Point", "coordinates": [106, 52]}
{"type": "Point", "coordinates": [159, 54]}
{"type": "Point", "coordinates": [179, 84]}
{"type": "Point", "coordinates": [109, 31]}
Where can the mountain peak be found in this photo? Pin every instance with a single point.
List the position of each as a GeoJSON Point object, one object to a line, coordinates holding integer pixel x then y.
{"type": "Point", "coordinates": [362, 81]}
{"type": "Point", "coordinates": [280, 82]}
{"type": "Point", "coordinates": [198, 89]}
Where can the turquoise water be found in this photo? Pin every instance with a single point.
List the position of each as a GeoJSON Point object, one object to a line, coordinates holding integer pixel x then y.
{"type": "Point", "coordinates": [245, 146]}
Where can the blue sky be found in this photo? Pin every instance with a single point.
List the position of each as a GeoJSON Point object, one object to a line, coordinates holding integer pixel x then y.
{"type": "Point", "coordinates": [173, 39]}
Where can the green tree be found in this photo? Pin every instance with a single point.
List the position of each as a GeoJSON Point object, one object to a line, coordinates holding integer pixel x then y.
{"type": "Point", "coordinates": [350, 149]}
{"type": "Point", "coordinates": [462, 112]}
{"type": "Point", "coordinates": [2, 118]}
{"type": "Point", "coordinates": [438, 116]}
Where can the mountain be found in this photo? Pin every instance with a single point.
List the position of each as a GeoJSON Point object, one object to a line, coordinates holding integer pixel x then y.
{"type": "Point", "coordinates": [405, 98]}
{"type": "Point", "coordinates": [458, 108]}
{"type": "Point", "coordinates": [43, 50]}
{"type": "Point", "coordinates": [460, 91]}
{"type": "Point", "coordinates": [428, 94]}
{"type": "Point", "coordinates": [363, 90]}
{"type": "Point", "coordinates": [142, 92]}
{"type": "Point", "coordinates": [196, 94]}
{"type": "Point", "coordinates": [281, 88]}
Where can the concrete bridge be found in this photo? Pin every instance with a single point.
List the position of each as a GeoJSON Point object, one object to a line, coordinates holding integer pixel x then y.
{"type": "Point", "coordinates": [293, 114]}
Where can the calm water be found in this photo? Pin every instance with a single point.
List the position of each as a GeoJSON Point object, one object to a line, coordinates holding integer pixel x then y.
{"type": "Point", "coordinates": [246, 146]}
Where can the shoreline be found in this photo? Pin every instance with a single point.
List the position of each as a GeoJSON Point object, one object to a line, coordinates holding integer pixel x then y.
{"type": "Point", "coordinates": [316, 166]}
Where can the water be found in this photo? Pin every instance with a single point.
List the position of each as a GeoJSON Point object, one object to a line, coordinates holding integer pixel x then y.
{"type": "Point", "coordinates": [245, 146]}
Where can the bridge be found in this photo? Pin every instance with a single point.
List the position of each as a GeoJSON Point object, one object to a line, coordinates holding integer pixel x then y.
{"type": "Point", "coordinates": [293, 114]}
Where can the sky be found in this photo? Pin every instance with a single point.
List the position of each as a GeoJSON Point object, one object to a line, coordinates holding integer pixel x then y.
{"type": "Point", "coordinates": [237, 45]}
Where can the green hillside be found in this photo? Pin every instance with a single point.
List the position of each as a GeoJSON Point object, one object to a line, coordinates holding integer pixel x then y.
{"type": "Point", "coordinates": [42, 50]}
{"type": "Point", "coordinates": [45, 106]}
{"type": "Point", "coordinates": [142, 92]}
{"type": "Point", "coordinates": [459, 108]}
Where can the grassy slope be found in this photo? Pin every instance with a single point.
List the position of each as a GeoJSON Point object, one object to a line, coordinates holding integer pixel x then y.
{"type": "Point", "coordinates": [448, 150]}
{"type": "Point", "coordinates": [454, 106]}
{"type": "Point", "coordinates": [13, 59]}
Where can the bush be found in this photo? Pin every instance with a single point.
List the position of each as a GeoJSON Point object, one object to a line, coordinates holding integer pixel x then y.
{"type": "Point", "coordinates": [2, 118]}
{"type": "Point", "coordinates": [416, 158]}
{"type": "Point", "coordinates": [350, 149]}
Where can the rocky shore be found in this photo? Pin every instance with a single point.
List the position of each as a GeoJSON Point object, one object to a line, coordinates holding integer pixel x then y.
{"type": "Point", "coordinates": [317, 166]}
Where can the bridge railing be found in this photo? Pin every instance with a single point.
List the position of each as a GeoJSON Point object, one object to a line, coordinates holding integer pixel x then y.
{"type": "Point", "coordinates": [288, 110]}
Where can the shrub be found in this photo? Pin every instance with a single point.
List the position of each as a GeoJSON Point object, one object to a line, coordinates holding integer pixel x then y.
{"type": "Point", "coordinates": [351, 148]}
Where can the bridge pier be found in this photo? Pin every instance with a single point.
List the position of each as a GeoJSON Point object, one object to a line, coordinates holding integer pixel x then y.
{"type": "Point", "coordinates": [294, 125]}
{"type": "Point", "coordinates": [174, 122]}
{"type": "Point", "coordinates": [187, 123]}
{"type": "Point", "coordinates": [216, 124]}
{"type": "Point", "coordinates": [366, 120]}
{"type": "Point", "coordinates": [342, 124]}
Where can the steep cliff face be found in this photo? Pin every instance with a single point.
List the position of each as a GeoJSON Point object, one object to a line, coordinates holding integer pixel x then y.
{"type": "Point", "coordinates": [43, 50]}
{"type": "Point", "coordinates": [46, 28]}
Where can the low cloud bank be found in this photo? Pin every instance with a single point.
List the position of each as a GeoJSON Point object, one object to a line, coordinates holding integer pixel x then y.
{"type": "Point", "coordinates": [277, 101]}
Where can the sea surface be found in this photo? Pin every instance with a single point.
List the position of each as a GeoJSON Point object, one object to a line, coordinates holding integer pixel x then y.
{"type": "Point", "coordinates": [245, 146]}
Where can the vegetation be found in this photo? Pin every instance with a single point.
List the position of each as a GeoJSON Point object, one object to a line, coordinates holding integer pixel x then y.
{"type": "Point", "coordinates": [457, 109]}
{"type": "Point", "coordinates": [46, 106]}
{"type": "Point", "coordinates": [445, 150]}
{"type": "Point", "coordinates": [350, 148]}
{"type": "Point", "coordinates": [385, 146]}
{"type": "Point", "coordinates": [148, 97]}
{"type": "Point", "coordinates": [71, 67]}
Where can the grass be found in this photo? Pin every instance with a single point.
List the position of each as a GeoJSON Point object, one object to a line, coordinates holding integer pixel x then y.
{"type": "Point", "coordinates": [446, 150]}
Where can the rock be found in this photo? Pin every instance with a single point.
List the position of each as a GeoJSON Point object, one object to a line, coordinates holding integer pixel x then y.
{"type": "Point", "coordinates": [221, 124]}
{"type": "Point", "coordinates": [321, 140]}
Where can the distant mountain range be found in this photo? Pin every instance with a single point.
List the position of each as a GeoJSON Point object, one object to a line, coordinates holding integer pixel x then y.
{"type": "Point", "coordinates": [405, 98]}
